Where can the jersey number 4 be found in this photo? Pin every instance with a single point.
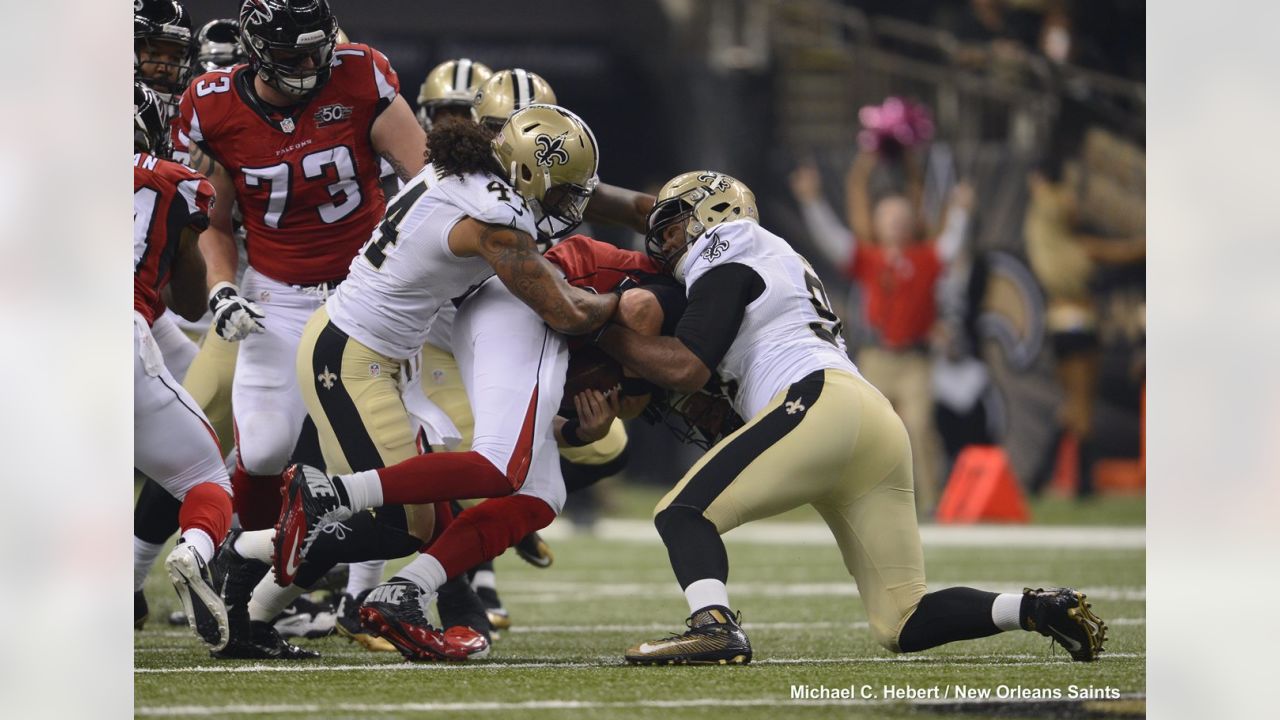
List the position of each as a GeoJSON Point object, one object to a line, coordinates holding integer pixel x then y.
{"type": "Point", "coordinates": [389, 231]}
{"type": "Point", "coordinates": [345, 192]}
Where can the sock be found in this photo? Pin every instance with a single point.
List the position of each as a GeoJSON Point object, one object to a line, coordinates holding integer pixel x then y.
{"type": "Point", "coordinates": [485, 579]}
{"type": "Point", "coordinates": [155, 515]}
{"type": "Point", "coordinates": [200, 541]}
{"type": "Point", "coordinates": [364, 575]}
{"type": "Point", "coordinates": [1006, 611]}
{"type": "Point", "coordinates": [144, 556]}
{"type": "Point", "coordinates": [364, 490]}
{"type": "Point", "coordinates": [705, 593]}
{"type": "Point", "coordinates": [207, 507]}
{"type": "Point", "coordinates": [255, 545]}
{"type": "Point", "coordinates": [441, 476]}
{"type": "Point", "coordinates": [693, 545]}
{"type": "Point", "coordinates": [426, 572]}
{"type": "Point", "coordinates": [485, 531]}
{"type": "Point", "coordinates": [957, 613]}
{"type": "Point", "coordinates": [269, 599]}
{"type": "Point", "coordinates": [256, 498]}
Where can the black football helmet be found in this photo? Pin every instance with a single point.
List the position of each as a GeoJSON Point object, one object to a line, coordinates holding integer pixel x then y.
{"type": "Point", "coordinates": [217, 45]}
{"type": "Point", "coordinates": [289, 43]}
{"type": "Point", "coordinates": [150, 122]}
{"type": "Point", "coordinates": [162, 46]}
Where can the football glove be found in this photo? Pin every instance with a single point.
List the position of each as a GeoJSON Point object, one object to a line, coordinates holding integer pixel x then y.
{"type": "Point", "coordinates": [234, 317]}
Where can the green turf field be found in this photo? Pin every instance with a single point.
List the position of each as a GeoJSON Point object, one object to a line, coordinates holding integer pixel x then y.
{"type": "Point", "coordinates": [573, 621]}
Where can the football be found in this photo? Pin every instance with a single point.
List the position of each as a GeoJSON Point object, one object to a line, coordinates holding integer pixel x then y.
{"type": "Point", "coordinates": [589, 368]}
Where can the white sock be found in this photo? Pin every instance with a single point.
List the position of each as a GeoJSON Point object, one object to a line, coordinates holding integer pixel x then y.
{"type": "Point", "coordinates": [200, 541]}
{"type": "Point", "coordinates": [485, 579]}
{"type": "Point", "coordinates": [364, 489]}
{"type": "Point", "coordinates": [426, 572]}
{"type": "Point", "coordinates": [1006, 611]}
{"type": "Point", "coordinates": [269, 599]}
{"type": "Point", "coordinates": [144, 556]}
{"type": "Point", "coordinates": [364, 575]}
{"type": "Point", "coordinates": [255, 545]}
{"type": "Point", "coordinates": [704, 593]}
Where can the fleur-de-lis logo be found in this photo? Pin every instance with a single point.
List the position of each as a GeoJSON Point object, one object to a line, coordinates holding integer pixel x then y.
{"type": "Point", "coordinates": [795, 406]}
{"type": "Point", "coordinates": [327, 378]}
{"type": "Point", "coordinates": [550, 150]}
{"type": "Point", "coordinates": [715, 249]}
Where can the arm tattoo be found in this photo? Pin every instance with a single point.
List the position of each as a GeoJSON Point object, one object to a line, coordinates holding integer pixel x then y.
{"type": "Point", "coordinates": [516, 260]}
{"type": "Point", "coordinates": [401, 171]}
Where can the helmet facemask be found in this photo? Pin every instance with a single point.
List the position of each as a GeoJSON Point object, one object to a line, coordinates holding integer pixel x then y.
{"type": "Point", "coordinates": [664, 215]}
{"type": "Point", "coordinates": [561, 209]}
{"type": "Point", "coordinates": [286, 68]}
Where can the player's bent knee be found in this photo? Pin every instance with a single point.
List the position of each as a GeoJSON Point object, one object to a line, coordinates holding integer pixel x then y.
{"type": "Point", "coordinates": [266, 442]}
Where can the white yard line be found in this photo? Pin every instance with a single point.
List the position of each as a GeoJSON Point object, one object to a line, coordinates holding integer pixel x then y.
{"type": "Point", "coordinates": [783, 533]}
{"type": "Point", "coordinates": [608, 661]}
{"type": "Point", "coordinates": [549, 592]}
{"type": "Point", "coordinates": [373, 708]}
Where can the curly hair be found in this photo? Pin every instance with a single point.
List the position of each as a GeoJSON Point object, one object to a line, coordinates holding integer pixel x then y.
{"type": "Point", "coordinates": [460, 147]}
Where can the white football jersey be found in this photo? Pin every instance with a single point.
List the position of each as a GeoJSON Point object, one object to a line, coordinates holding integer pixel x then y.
{"type": "Point", "coordinates": [787, 332]}
{"type": "Point", "coordinates": [406, 272]}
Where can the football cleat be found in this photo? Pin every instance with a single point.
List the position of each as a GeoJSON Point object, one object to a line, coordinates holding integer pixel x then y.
{"type": "Point", "coordinates": [714, 637]}
{"type": "Point", "coordinates": [191, 578]}
{"type": "Point", "coordinates": [313, 501]}
{"type": "Point", "coordinates": [499, 619]}
{"type": "Point", "coordinates": [304, 618]}
{"type": "Point", "coordinates": [262, 642]}
{"type": "Point", "coordinates": [394, 610]}
{"type": "Point", "coordinates": [348, 625]}
{"type": "Point", "coordinates": [140, 610]}
{"type": "Point", "coordinates": [535, 551]}
{"type": "Point", "coordinates": [239, 576]}
{"type": "Point", "coordinates": [463, 615]}
{"type": "Point", "coordinates": [1063, 614]}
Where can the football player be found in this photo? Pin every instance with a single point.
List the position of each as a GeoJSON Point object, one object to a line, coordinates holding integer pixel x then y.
{"type": "Point", "coordinates": [295, 137]}
{"type": "Point", "coordinates": [449, 90]}
{"type": "Point", "coordinates": [162, 49]}
{"type": "Point", "coordinates": [472, 214]}
{"type": "Point", "coordinates": [817, 433]}
{"type": "Point", "coordinates": [173, 443]}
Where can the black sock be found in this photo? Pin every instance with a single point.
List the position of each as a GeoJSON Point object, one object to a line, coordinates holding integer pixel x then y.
{"type": "Point", "coordinates": [693, 544]}
{"type": "Point", "coordinates": [958, 613]}
{"type": "Point", "coordinates": [155, 516]}
{"type": "Point", "coordinates": [578, 476]}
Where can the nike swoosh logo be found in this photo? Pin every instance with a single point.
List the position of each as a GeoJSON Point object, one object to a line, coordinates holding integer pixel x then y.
{"type": "Point", "coordinates": [290, 566]}
{"type": "Point", "coordinates": [1072, 645]}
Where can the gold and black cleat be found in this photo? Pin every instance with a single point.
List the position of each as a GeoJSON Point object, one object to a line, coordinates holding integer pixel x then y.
{"type": "Point", "coordinates": [347, 624]}
{"type": "Point", "coordinates": [714, 637]}
{"type": "Point", "coordinates": [535, 551]}
{"type": "Point", "coordinates": [1063, 614]}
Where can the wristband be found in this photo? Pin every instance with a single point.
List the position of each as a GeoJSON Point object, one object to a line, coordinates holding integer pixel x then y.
{"type": "Point", "coordinates": [219, 291]}
{"type": "Point", "coordinates": [569, 431]}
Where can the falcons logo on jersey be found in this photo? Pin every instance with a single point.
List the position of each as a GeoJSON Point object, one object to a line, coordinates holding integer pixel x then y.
{"type": "Point", "coordinates": [550, 150]}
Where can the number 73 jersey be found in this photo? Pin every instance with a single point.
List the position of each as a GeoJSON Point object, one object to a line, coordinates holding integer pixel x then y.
{"type": "Point", "coordinates": [787, 332]}
{"type": "Point", "coordinates": [306, 182]}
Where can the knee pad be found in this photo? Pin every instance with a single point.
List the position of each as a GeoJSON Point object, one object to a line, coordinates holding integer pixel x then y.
{"type": "Point", "coordinates": [265, 441]}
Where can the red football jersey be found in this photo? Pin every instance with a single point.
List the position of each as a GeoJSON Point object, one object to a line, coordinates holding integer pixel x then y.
{"type": "Point", "coordinates": [168, 198]}
{"type": "Point", "coordinates": [587, 262]}
{"type": "Point", "coordinates": [307, 183]}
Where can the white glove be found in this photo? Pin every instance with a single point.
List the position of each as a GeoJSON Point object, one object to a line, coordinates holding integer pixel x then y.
{"type": "Point", "coordinates": [234, 318]}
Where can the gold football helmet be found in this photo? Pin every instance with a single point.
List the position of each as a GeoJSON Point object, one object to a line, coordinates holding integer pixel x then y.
{"type": "Point", "coordinates": [550, 157]}
{"type": "Point", "coordinates": [706, 199]}
{"type": "Point", "coordinates": [451, 84]}
{"type": "Point", "coordinates": [506, 92]}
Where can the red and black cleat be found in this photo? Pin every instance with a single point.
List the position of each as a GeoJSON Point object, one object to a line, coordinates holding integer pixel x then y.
{"type": "Point", "coordinates": [394, 611]}
{"type": "Point", "coordinates": [312, 500]}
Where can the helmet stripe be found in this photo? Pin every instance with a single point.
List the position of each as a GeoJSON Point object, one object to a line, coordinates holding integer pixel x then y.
{"type": "Point", "coordinates": [462, 75]}
{"type": "Point", "coordinates": [524, 93]}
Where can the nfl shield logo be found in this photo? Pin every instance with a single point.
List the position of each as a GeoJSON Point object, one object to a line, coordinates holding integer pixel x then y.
{"type": "Point", "coordinates": [287, 125]}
